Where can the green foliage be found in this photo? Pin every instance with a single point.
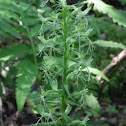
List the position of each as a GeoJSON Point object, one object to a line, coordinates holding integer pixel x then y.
{"type": "Point", "coordinates": [112, 110]}
{"type": "Point", "coordinates": [26, 76]}
{"type": "Point", "coordinates": [97, 72]}
{"type": "Point", "coordinates": [118, 16]}
{"type": "Point", "coordinates": [92, 102]}
{"type": "Point", "coordinates": [16, 17]}
{"type": "Point", "coordinates": [16, 20]}
{"type": "Point", "coordinates": [123, 2]}
{"type": "Point", "coordinates": [14, 51]}
{"type": "Point", "coordinates": [65, 53]}
{"type": "Point", "coordinates": [110, 44]}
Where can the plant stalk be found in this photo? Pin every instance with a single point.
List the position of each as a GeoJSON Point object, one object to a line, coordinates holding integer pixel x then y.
{"type": "Point", "coordinates": [30, 38]}
{"type": "Point", "coordinates": [65, 65]}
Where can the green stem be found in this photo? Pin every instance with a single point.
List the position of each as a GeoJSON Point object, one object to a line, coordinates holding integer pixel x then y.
{"type": "Point", "coordinates": [33, 47]}
{"type": "Point", "coordinates": [30, 38]}
{"type": "Point", "coordinates": [65, 66]}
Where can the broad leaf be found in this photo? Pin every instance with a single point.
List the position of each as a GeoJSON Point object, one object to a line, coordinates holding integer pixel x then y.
{"type": "Point", "coordinates": [96, 72]}
{"type": "Point", "coordinates": [118, 16]}
{"type": "Point", "coordinates": [9, 29]}
{"type": "Point", "coordinates": [92, 102]}
{"type": "Point", "coordinates": [109, 44]}
{"type": "Point", "coordinates": [14, 51]}
{"type": "Point", "coordinates": [27, 73]}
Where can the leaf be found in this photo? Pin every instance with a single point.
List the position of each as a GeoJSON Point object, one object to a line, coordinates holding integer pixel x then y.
{"type": "Point", "coordinates": [112, 109]}
{"type": "Point", "coordinates": [3, 33]}
{"type": "Point", "coordinates": [118, 16]}
{"type": "Point", "coordinates": [2, 90]}
{"type": "Point", "coordinates": [68, 92]}
{"type": "Point", "coordinates": [20, 15]}
{"type": "Point", "coordinates": [96, 72]}
{"type": "Point", "coordinates": [14, 51]}
{"type": "Point", "coordinates": [8, 5]}
{"type": "Point", "coordinates": [9, 14]}
{"type": "Point", "coordinates": [92, 102]}
{"type": "Point", "coordinates": [86, 119]}
{"type": "Point", "coordinates": [110, 44]}
{"type": "Point", "coordinates": [72, 103]}
{"type": "Point", "coordinates": [9, 29]}
{"type": "Point", "coordinates": [53, 1]}
{"type": "Point", "coordinates": [54, 84]}
{"type": "Point", "coordinates": [52, 123]}
{"type": "Point", "coordinates": [68, 109]}
{"type": "Point", "coordinates": [81, 14]}
{"type": "Point", "coordinates": [35, 30]}
{"type": "Point", "coordinates": [50, 62]}
{"type": "Point", "coordinates": [74, 122]}
{"type": "Point", "coordinates": [27, 74]}
{"type": "Point", "coordinates": [31, 20]}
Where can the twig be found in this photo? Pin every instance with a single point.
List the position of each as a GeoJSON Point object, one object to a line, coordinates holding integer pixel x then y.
{"type": "Point", "coordinates": [116, 61]}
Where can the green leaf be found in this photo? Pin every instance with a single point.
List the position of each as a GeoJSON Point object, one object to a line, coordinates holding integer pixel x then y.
{"type": "Point", "coordinates": [1, 88]}
{"type": "Point", "coordinates": [68, 92]}
{"type": "Point", "coordinates": [118, 16]}
{"type": "Point", "coordinates": [9, 29]}
{"type": "Point", "coordinates": [74, 122]}
{"type": "Point", "coordinates": [112, 109]}
{"type": "Point", "coordinates": [35, 30]}
{"type": "Point", "coordinates": [54, 84]}
{"type": "Point", "coordinates": [27, 74]}
{"type": "Point", "coordinates": [53, 1]}
{"type": "Point", "coordinates": [68, 109]}
{"type": "Point", "coordinates": [92, 102]}
{"type": "Point", "coordinates": [96, 72]}
{"type": "Point", "coordinates": [3, 33]}
{"type": "Point", "coordinates": [81, 14]}
{"type": "Point", "coordinates": [86, 119]}
{"type": "Point", "coordinates": [8, 5]}
{"type": "Point", "coordinates": [47, 123]}
{"type": "Point", "coordinates": [50, 62]}
{"type": "Point", "coordinates": [110, 44]}
{"type": "Point", "coordinates": [31, 20]}
{"type": "Point", "coordinates": [72, 103]}
{"type": "Point", "coordinates": [14, 51]}
{"type": "Point", "coordinates": [9, 14]}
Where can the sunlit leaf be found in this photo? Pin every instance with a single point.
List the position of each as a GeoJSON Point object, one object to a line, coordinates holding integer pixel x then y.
{"type": "Point", "coordinates": [110, 44]}
{"type": "Point", "coordinates": [96, 72]}
{"type": "Point", "coordinates": [68, 109]}
{"type": "Point", "coordinates": [118, 16]}
{"type": "Point", "coordinates": [92, 102]}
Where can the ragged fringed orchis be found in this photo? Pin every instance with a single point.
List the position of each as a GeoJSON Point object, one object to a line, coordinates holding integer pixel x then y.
{"type": "Point", "coordinates": [64, 53]}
